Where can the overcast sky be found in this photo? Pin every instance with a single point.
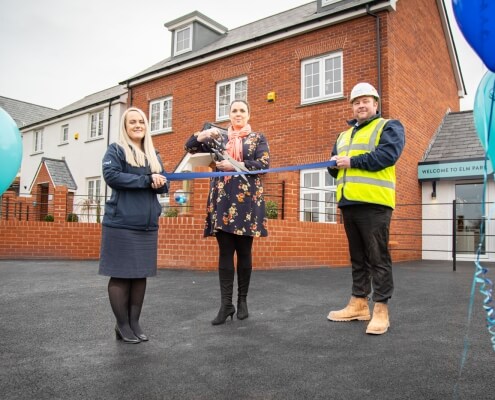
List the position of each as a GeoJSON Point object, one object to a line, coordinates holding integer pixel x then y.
{"type": "Point", "coordinates": [55, 52]}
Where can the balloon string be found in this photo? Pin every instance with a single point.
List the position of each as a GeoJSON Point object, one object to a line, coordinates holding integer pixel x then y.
{"type": "Point", "coordinates": [486, 285]}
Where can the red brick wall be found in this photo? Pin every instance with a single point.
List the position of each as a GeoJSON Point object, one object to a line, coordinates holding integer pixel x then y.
{"type": "Point", "coordinates": [290, 244]}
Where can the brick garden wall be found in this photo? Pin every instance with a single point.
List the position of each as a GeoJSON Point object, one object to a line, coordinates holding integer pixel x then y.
{"type": "Point", "coordinates": [290, 244]}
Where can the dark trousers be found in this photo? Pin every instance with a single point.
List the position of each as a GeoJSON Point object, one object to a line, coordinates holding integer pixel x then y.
{"type": "Point", "coordinates": [228, 245]}
{"type": "Point", "coordinates": [367, 227]}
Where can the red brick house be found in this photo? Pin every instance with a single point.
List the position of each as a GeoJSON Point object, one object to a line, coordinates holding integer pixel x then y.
{"type": "Point", "coordinates": [308, 59]}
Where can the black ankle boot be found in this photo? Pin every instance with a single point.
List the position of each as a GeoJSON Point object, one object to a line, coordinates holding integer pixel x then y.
{"type": "Point", "coordinates": [225, 312]}
{"type": "Point", "coordinates": [242, 309]}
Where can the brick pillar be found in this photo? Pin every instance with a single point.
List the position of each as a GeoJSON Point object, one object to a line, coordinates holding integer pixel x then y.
{"type": "Point", "coordinates": [200, 189]}
{"type": "Point", "coordinates": [291, 202]}
{"type": "Point", "coordinates": [60, 203]}
{"type": "Point", "coordinates": [7, 200]}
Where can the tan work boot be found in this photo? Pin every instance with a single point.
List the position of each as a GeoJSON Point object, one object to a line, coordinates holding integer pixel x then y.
{"type": "Point", "coordinates": [356, 309]}
{"type": "Point", "coordinates": [379, 324]}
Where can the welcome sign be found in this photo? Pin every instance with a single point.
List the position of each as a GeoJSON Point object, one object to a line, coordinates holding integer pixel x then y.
{"type": "Point", "coordinates": [433, 171]}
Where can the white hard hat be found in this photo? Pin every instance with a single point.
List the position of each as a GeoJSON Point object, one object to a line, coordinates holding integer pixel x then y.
{"type": "Point", "coordinates": [363, 89]}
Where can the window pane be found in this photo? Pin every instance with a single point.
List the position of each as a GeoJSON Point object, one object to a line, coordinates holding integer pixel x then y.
{"type": "Point", "coordinates": [311, 81]}
{"type": "Point", "coordinates": [65, 133]}
{"type": "Point", "coordinates": [333, 76]}
{"type": "Point", "coordinates": [155, 116]}
{"type": "Point", "coordinates": [330, 207]}
{"type": "Point", "coordinates": [223, 100]}
{"type": "Point", "coordinates": [329, 179]}
{"type": "Point", "coordinates": [167, 114]}
{"type": "Point", "coordinates": [100, 124]}
{"type": "Point", "coordinates": [183, 39]}
{"type": "Point", "coordinates": [97, 188]}
{"type": "Point", "coordinates": [310, 207]}
{"type": "Point", "coordinates": [93, 126]}
{"type": "Point", "coordinates": [91, 189]}
{"type": "Point", "coordinates": [240, 92]}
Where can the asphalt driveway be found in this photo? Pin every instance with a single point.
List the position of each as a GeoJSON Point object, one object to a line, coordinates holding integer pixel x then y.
{"type": "Point", "coordinates": [58, 340]}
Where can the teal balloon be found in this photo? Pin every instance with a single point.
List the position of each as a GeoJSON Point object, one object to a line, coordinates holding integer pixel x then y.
{"type": "Point", "coordinates": [10, 150]}
{"type": "Point", "coordinates": [484, 114]}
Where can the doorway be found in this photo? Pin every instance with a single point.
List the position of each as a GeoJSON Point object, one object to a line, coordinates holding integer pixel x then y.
{"type": "Point", "coordinates": [469, 202]}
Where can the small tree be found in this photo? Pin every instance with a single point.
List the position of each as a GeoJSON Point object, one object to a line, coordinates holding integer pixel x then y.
{"type": "Point", "coordinates": [171, 212]}
{"type": "Point", "coordinates": [271, 209]}
{"type": "Point", "coordinates": [71, 217]}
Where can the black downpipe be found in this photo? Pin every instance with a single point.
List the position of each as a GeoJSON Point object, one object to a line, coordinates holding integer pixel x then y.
{"type": "Point", "coordinates": [108, 138]}
{"type": "Point", "coordinates": [378, 55]}
{"type": "Point", "coordinates": [454, 235]}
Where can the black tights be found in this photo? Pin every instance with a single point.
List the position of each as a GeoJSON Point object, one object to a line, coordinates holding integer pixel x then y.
{"type": "Point", "coordinates": [126, 298]}
{"type": "Point", "coordinates": [228, 244]}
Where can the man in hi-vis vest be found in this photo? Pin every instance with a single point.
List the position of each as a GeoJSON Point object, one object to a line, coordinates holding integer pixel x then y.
{"type": "Point", "coordinates": [366, 154]}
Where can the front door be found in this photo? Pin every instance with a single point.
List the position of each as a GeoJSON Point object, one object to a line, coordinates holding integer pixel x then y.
{"type": "Point", "coordinates": [469, 203]}
{"type": "Point", "coordinates": [43, 201]}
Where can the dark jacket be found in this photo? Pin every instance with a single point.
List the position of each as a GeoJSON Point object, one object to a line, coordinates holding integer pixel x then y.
{"type": "Point", "coordinates": [386, 154]}
{"type": "Point", "coordinates": [133, 203]}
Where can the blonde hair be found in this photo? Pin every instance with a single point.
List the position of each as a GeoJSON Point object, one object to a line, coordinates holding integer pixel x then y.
{"type": "Point", "coordinates": [134, 155]}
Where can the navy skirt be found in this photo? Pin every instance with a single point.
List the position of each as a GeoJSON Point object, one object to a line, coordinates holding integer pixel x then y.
{"type": "Point", "coordinates": [127, 253]}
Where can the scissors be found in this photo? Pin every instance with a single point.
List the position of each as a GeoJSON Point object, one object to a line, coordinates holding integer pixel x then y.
{"type": "Point", "coordinates": [221, 152]}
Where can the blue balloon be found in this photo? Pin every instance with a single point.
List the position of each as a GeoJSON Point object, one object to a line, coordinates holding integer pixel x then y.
{"type": "Point", "coordinates": [484, 114]}
{"type": "Point", "coordinates": [180, 197]}
{"type": "Point", "coordinates": [476, 19]}
{"type": "Point", "coordinates": [10, 150]}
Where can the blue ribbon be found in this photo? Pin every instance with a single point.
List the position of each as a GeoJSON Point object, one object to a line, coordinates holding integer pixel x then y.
{"type": "Point", "coordinates": [185, 176]}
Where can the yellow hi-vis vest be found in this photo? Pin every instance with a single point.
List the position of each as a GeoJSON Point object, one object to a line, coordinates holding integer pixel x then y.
{"type": "Point", "coordinates": [377, 187]}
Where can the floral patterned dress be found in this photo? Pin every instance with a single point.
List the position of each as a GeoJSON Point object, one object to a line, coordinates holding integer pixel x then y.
{"type": "Point", "coordinates": [232, 205]}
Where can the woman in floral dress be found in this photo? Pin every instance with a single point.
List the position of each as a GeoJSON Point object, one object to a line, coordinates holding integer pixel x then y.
{"type": "Point", "coordinates": [235, 207]}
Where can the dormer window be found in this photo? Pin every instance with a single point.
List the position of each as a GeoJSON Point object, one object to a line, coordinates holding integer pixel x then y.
{"type": "Point", "coordinates": [328, 2]}
{"type": "Point", "coordinates": [192, 32]}
{"type": "Point", "coordinates": [183, 40]}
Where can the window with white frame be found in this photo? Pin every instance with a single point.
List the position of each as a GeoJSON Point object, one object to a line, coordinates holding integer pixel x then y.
{"type": "Point", "coordinates": [89, 208]}
{"type": "Point", "coordinates": [96, 125]}
{"type": "Point", "coordinates": [64, 134]}
{"type": "Point", "coordinates": [318, 196]}
{"type": "Point", "coordinates": [183, 40]}
{"type": "Point", "coordinates": [38, 141]}
{"type": "Point", "coordinates": [94, 189]}
{"type": "Point", "coordinates": [321, 78]}
{"type": "Point", "coordinates": [227, 92]}
{"type": "Point", "coordinates": [161, 115]}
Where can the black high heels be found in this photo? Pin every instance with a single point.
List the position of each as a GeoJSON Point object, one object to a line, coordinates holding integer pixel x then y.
{"type": "Point", "coordinates": [242, 310]}
{"type": "Point", "coordinates": [142, 337]}
{"type": "Point", "coordinates": [126, 339]}
{"type": "Point", "coordinates": [225, 312]}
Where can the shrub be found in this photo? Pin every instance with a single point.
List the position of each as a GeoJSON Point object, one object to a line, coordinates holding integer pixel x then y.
{"type": "Point", "coordinates": [71, 217]}
{"type": "Point", "coordinates": [271, 209]}
{"type": "Point", "coordinates": [171, 212]}
{"type": "Point", "coordinates": [49, 218]}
